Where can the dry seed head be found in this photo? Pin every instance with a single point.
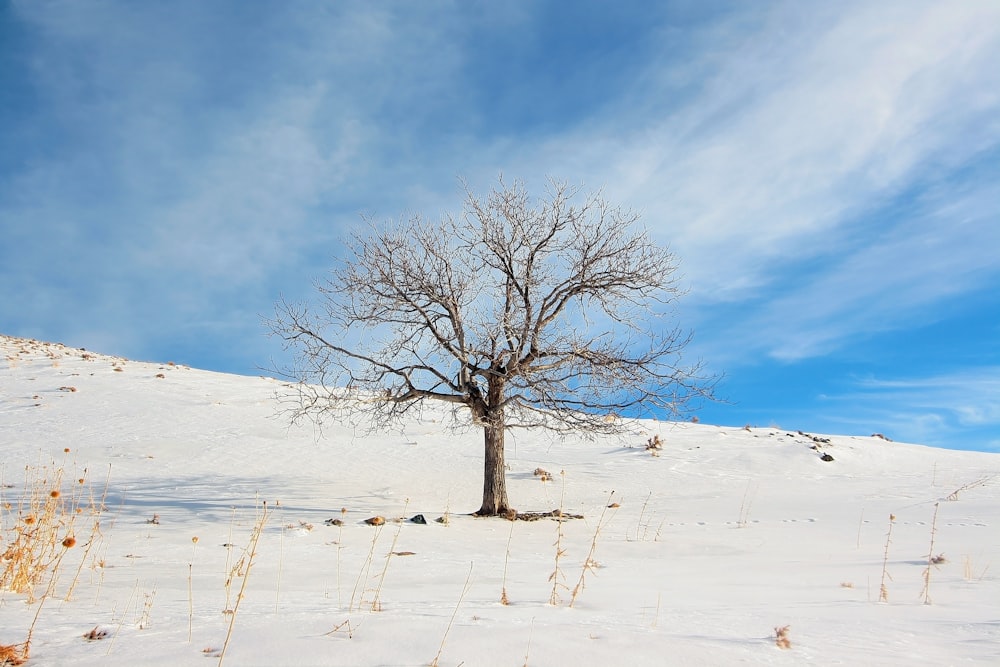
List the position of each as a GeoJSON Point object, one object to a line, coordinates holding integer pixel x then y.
{"type": "Point", "coordinates": [194, 540]}
{"type": "Point", "coordinates": [66, 450]}
{"type": "Point", "coordinates": [781, 637]}
{"type": "Point", "coordinates": [54, 494]}
{"type": "Point", "coordinates": [30, 519]}
{"type": "Point", "coordinates": [69, 542]}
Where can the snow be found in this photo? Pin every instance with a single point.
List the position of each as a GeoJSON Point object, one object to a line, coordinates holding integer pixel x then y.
{"type": "Point", "coordinates": [723, 536]}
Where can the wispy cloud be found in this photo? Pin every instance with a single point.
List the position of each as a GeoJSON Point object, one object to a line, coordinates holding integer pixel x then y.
{"type": "Point", "coordinates": [812, 171]}
{"type": "Point", "coordinates": [826, 172]}
{"type": "Point", "coordinates": [932, 409]}
{"type": "Point", "coordinates": [898, 275]}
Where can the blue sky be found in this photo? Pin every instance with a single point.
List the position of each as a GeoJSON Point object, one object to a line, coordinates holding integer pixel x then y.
{"type": "Point", "coordinates": [827, 174]}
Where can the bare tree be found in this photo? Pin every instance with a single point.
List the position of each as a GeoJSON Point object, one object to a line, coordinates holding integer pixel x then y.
{"type": "Point", "coordinates": [530, 313]}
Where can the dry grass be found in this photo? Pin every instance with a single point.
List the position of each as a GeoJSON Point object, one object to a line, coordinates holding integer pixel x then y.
{"type": "Point", "coordinates": [13, 654]}
{"type": "Point", "coordinates": [194, 544]}
{"type": "Point", "coordinates": [589, 564]}
{"type": "Point", "coordinates": [365, 573]}
{"type": "Point", "coordinates": [444, 638]}
{"type": "Point", "coordinates": [746, 504]}
{"type": "Point", "coordinates": [504, 600]}
{"type": "Point", "coordinates": [377, 596]}
{"type": "Point", "coordinates": [953, 496]}
{"type": "Point", "coordinates": [932, 560]}
{"type": "Point", "coordinates": [883, 591]}
{"type": "Point", "coordinates": [38, 531]}
{"type": "Point", "coordinates": [644, 524]}
{"type": "Point", "coordinates": [34, 530]}
{"type": "Point", "coordinates": [242, 570]}
{"type": "Point", "coordinates": [781, 639]}
{"type": "Point", "coordinates": [96, 507]}
{"type": "Point", "coordinates": [527, 649]}
{"type": "Point", "coordinates": [972, 573]}
{"type": "Point", "coordinates": [557, 578]}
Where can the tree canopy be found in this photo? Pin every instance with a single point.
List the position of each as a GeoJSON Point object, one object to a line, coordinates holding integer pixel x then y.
{"type": "Point", "coordinates": [531, 313]}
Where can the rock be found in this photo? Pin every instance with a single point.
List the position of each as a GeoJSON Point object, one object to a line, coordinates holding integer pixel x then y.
{"type": "Point", "coordinates": [419, 519]}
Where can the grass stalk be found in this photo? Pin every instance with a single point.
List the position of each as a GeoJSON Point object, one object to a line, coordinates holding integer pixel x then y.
{"type": "Point", "coordinates": [642, 513]}
{"type": "Point", "coordinates": [589, 564]}
{"type": "Point", "coordinates": [932, 560]}
{"type": "Point", "coordinates": [557, 578]}
{"type": "Point", "coordinates": [504, 600]}
{"type": "Point", "coordinates": [969, 572]}
{"type": "Point", "coordinates": [340, 547]}
{"type": "Point", "coordinates": [376, 599]}
{"type": "Point", "coordinates": [229, 563]}
{"type": "Point", "coordinates": [244, 564]}
{"type": "Point", "coordinates": [745, 504]}
{"type": "Point", "coordinates": [861, 522]}
{"type": "Point", "coordinates": [121, 622]}
{"type": "Point", "coordinates": [465, 589]}
{"type": "Point", "coordinates": [194, 545]}
{"type": "Point", "coordinates": [527, 649]}
{"type": "Point", "coordinates": [281, 559]}
{"type": "Point", "coordinates": [883, 591]}
{"type": "Point", "coordinates": [366, 568]}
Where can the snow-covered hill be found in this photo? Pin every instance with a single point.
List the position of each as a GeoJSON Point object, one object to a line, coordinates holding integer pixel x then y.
{"type": "Point", "coordinates": [710, 545]}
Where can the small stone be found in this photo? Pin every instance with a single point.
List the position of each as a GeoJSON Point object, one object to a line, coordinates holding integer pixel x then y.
{"type": "Point", "coordinates": [419, 519]}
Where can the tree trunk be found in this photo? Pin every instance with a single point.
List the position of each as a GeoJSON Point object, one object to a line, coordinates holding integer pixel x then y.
{"type": "Point", "coordinates": [494, 473]}
{"type": "Point", "coordinates": [494, 470]}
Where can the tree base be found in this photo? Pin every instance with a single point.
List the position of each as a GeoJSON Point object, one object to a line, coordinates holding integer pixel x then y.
{"type": "Point", "coordinates": [508, 513]}
{"type": "Point", "coordinates": [514, 515]}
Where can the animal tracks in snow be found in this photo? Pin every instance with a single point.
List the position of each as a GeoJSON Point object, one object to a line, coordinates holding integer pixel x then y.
{"type": "Point", "coordinates": [968, 523]}
{"type": "Point", "coordinates": [738, 524]}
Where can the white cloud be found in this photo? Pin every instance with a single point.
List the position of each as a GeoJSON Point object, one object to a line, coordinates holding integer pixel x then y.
{"type": "Point", "coordinates": [960, 408]}
{"type": "Point", "coordinates": [775, 181]}
{"type": "Point", "coordinates": [201, 150]}
{"type": "Point", "coordinates": [888, 279]}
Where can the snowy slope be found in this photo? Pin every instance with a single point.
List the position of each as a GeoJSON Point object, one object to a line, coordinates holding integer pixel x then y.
{"type": "Point", "coordinates": [723, 536]}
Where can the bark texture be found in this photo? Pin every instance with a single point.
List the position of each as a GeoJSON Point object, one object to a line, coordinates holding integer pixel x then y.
{"type": "Point", "coordinates": [494, 474]}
